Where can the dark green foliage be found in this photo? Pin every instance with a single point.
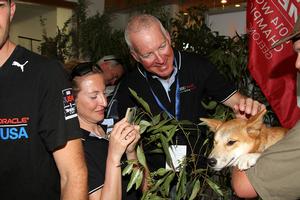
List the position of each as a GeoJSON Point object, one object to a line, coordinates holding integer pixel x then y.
{"type": "Point", "coordinates": [95, 36]}
{"type": "Point", "coordinates": [59, 46]}
{"type": "Point", "coordinates": [190, 33]}
{"type": "Point", "coordinates": [90, 38]}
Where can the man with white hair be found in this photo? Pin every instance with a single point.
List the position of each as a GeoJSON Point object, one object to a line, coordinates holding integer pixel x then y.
{"type": "Point", "coordinates": [174, 82]}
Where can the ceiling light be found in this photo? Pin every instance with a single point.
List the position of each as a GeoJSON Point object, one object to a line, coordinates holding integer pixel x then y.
{"type": "Point", "coordinates": [237, 5]}
{"type": "Point", "coordinates": [223, 1]}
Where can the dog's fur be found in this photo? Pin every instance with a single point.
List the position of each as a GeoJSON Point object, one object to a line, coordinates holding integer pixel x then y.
{"type": "Point", "coordinates": [240, 142]}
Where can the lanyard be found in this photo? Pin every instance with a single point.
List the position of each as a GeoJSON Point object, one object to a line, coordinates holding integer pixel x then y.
{"type": "Point", "coordinates": [177, 96]}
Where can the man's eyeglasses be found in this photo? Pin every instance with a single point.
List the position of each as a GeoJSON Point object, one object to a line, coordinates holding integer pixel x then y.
{"type": "Point", "coordinates": [84, 68]}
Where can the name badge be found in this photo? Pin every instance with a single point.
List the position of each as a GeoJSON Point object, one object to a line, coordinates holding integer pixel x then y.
{"type": "Point", "coordinates": [109, 123]}
{"type": "Point", "coordinates": [178, 153]}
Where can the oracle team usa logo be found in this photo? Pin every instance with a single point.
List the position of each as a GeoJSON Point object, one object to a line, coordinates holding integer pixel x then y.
{"type": "Point", "coordinates": [15, 128]}
{"type": "Point", "coordinates": [69, 104]}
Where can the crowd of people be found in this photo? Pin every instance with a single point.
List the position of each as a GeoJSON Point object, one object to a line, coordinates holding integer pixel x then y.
{"type": "Point", "coordinates": [56, 146]}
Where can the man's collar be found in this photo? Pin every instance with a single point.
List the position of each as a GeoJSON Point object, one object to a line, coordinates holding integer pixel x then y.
{"type": "Point", "coordinates": [173, 75]}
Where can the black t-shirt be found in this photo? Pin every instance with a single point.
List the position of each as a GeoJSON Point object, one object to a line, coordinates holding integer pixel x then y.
{"type": "Point", "coordinates": [96, 150]}
{"type": "Point", "coordinates": [37, 116]}
{"type": "Point", "coordinates": [198, 79]}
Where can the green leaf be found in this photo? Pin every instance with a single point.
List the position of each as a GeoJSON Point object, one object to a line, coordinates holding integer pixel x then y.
{"type": "Point", "coordinates": [199, 171]}
{"type": "Point", "coordinates": [144, 125]}
{"type": "Point", "coordinates": [165, 147]}
{"type": "Point", "coordinates": [196, 189]}
{"type": "Point", "coordinates": [215, 187]}
{"type": "Point", "coordinates": [141, 101]}
{"type": "Point", "coordinates": [167, 182]}
{"type": "Point", "coordinates": [211, 105]}
{"type": "Point", "coordinates": [181, 184]}
{"type": "Point", "coordinates": [156, 151]}
{"type": "Point", "coordinates": [134, 178]}
{"type": "Point", "coordinates": [161, 171]}
{"type": "Point", "coordinates": [164, 128]}
{"type": "Point", "coordinates": [165, 115]}
{"type": "Point", "coordinates": [153, 138]}
{"type": "Point", "coordinates": [156, 119]}
{"type": "Point", "coordinates": [127, 169]}
{"type": "Point", "coordinates": [157, 184]}
{"type": "Point", "coordinates": [158, 125]}
{"type": "Point", "coordinates": [184, 122]}
{"type": "Point", "coordinates": [139, 179]}
{"type": "Point", "coordinates": [141, 156]}
{"type": "Point", "coordinates": [156, 198]}
{"type": "Point", "coordinates": [171, 133]}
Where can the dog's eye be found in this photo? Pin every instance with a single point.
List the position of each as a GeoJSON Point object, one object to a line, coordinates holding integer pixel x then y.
{"type": "Point", "coordinates": [231, 142]}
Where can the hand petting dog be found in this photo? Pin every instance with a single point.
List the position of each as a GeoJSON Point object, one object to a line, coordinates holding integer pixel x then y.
{"type": "Point", "coordinates": [247, 108]}
{"type": "Point", "coordinates": [242, 106]}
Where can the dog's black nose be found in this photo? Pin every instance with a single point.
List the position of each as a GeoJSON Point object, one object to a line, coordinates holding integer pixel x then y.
{"type": "Point", "coordinates": [212, 162]}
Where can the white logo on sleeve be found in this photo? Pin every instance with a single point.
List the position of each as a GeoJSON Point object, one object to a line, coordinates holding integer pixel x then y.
{"type": "Point", "coordinates": [69, 104]}
{"type": "Point", "coordinates": [17, 64]}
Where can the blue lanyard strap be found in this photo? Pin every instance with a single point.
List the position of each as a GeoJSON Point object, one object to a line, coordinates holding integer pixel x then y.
{"type": "Point", "coordinates": [177, 96]}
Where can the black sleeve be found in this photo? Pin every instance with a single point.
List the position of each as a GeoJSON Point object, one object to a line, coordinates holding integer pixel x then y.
{"type": "Point", "coordinates": [216, 85]}
{"type": "Point", "coordinates": [58, 117]}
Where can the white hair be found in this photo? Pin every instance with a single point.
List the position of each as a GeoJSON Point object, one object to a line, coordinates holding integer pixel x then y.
{"type": "Point", "coordinates": [141, 22]}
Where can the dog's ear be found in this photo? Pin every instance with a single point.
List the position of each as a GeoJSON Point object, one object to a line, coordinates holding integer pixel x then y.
{"type": "Point", "coordinates": [255, 123]}
{"type": "Point", "coordinates": [213, 124]}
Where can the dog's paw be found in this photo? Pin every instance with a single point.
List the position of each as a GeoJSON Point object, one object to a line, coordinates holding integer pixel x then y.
{"type": "Point", "coordinates": [246, 161]}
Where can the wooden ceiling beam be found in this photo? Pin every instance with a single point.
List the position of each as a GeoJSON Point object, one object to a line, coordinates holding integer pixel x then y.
{"type": "Point", "coordinates": [58, 3]}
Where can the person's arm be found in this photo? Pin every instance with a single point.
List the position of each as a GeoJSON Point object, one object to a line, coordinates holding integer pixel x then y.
{"type": "Point", "coordinates": [122, 135]}
{"type": "Point", "coordinates": [241, 184]}
{"type": "Point", "coordinates": [72, 169]}
{"type": "Point", "coordinates": [243, 106]}
{"type": "Point", "coordinates": [112, 188]}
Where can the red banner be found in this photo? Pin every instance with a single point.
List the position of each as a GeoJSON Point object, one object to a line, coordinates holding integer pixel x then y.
{"type": "Point", "coordinates": [274, 69]}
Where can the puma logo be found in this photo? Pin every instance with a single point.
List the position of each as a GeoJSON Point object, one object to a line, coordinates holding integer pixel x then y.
{"type": "Point", "coordinates": [15, 63]}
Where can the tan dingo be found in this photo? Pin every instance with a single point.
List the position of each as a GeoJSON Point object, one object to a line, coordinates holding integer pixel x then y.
{"type": "Point", "coordinates": [240, 142]}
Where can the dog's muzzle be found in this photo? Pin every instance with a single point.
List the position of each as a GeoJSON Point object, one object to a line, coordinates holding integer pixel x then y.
{"type": "Point", "coordinates": [211, 162]}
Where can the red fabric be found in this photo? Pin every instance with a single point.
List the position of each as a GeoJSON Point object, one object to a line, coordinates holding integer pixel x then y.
{"type": "Point", "coordinates": [274, 69]}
